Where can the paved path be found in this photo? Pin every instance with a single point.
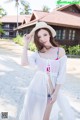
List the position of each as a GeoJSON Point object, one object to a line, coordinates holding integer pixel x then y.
{"type": "Point", "coordinates": [14, 80]}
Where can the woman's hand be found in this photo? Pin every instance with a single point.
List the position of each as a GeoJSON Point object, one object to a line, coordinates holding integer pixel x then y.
{"type": "Point", "coordinates": [55, 93]}
{"type": "Point", "coordinates": [27, 39]}
{"type": "Point", "coordinates": [53, 97]}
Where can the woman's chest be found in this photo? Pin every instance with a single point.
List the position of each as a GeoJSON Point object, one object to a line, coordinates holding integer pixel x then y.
{"type": "Point", "coordinates": [48, 65]}
{"type": "Point", "coordinates": [50, 55]}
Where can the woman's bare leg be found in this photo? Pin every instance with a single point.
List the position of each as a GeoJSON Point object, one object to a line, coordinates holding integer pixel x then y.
{"type": "Point", "coordinates": [47, 111]}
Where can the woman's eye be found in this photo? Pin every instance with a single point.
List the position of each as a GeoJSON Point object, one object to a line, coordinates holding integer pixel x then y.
{"type": "Point", "coordinates": [45, 34]}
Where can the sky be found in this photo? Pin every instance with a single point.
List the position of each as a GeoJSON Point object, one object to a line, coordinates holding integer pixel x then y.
{"type": "Point", "coordinates": [34, 5]}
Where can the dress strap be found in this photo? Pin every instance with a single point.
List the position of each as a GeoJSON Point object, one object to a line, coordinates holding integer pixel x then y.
{"type": "Point", "coordinates": [57, 54]}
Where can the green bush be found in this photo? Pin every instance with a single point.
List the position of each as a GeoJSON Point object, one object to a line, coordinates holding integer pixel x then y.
{"type": "Point", "coordinates": [32, 46]}
{"type": "Point", "coordinates": [66, 49]}
{"type": "Point", "coordinates": [72, 50]}
{"type": "Point", "coordinates": [18, 40]}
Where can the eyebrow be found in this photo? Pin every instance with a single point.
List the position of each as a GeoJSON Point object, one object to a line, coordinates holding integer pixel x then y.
{"type": "Point", "coordinates": [43, 34]}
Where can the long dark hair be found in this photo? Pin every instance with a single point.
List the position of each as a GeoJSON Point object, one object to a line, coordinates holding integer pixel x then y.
{"type": "Point", "coordinates": [40, 45]}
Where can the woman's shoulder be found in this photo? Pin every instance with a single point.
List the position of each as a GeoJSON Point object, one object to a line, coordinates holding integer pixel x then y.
{"type": "Point", "coordinates": [61, 52]}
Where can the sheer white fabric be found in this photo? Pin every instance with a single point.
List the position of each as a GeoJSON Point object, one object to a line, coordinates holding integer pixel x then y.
{"type": "Point", "coordinates": [36, 96]}
{"type": "Point", "coordinates": [58, 67]}
{"type": "Point", "coordinates": [35, 99]}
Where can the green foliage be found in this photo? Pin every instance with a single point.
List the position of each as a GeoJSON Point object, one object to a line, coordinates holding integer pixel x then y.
{"type": "Point", "coordinates": [18, 40]}
{"type": "Point", "coordinates": [72, 50]}
{"type": "Point", "coordinates": [22, 5]}
{"type": "Point", "coordinates": [1, 30]}
{"type": "Point", "coordinates": [45, 8]}
{"type": "Point", "coordinates": [26, 8]}
{"type": "Point", "coordinates": [32, 46]}
{"type": "Point", "coordinates": [2, 12]}
{"type": "Point", "coordinates": [75, 50]}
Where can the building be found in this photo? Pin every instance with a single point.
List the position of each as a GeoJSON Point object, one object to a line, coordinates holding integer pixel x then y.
{"type": "Point", "coordinates": [65, 20]}
{"type": "Point", "coordinates": [10, 22]}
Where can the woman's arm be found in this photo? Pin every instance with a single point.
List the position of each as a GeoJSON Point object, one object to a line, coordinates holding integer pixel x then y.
{"type": "Point", "coordinates": [24, 57]}
{"type": "Point", "coordinates": [60, 77]}
{"type": "Point", "coordinates": [57, 88]}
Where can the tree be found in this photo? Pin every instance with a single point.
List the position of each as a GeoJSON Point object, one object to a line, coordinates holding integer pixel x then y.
{"type": "Point", "coordinates": [1, 30]}
{"type": "Point", "coordinates": [17, 2]}
{"type": "Point", "coordinates": [45, 8]}
{"type": "Point", "coordinates": [23, 3]}
{"type": "Point", "coordinates": [2, 12]}
{"type": "Point", "coordinates": [26, 8]}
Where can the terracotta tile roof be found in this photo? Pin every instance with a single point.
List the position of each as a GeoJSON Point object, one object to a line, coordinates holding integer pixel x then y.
{"type": "Point", "coordinates": [63, 18]}
{"type": "Point", "coordinates": [66, 6]}
{"type": "Point", "coordinates": [27, 18]}
{"type": "Point", "coordinates": [62, 7]}
{"type": "Point", "coordinates": [26, 25]}
{"type": "Point", "coordinates": [13, 19]}
{"type": "Point", "coordinates": [40, 14]}
{"type": "Point", "coordinates": [58, 18]}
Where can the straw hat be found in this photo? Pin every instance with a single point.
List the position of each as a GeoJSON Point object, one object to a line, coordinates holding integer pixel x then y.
{"type": "Point", "coordinates": [42, 25]}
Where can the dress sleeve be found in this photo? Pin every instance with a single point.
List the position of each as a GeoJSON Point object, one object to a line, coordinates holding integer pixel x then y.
{"type": "Point", "coordinates": [62, 70]}
{"type": "Point", "coordinates": [32, 58]}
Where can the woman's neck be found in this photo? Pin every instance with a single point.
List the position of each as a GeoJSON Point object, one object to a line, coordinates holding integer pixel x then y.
{"type": "Point", "coordinates": [45, 49]}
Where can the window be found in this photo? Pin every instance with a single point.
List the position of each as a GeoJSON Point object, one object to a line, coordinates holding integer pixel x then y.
{"type": "Point", "coordinates": [61, 34]}
{"type": "Point", "coordinates": [64, 35]}
{"type": "Point", "coordinates": [7, 33]}
{"type": "Point", "coordinates": [6, 25]}
{"type": "Point", "coordinates": [69, 34]}
{"type": "Point", "coordinates": [58, 34]}
{"type": "Point", "coordinates": [72, 34]}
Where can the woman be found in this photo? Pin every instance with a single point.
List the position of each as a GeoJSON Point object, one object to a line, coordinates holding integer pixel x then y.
{"type": "Point", "coordinates": [44, 97]}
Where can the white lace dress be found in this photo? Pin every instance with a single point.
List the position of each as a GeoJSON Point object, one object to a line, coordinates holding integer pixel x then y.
{"type": "Point", "coordinates": [36, 96]}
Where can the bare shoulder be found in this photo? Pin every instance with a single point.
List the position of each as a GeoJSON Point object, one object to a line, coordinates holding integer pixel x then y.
{"type": "Point", "coordinates": [61, 52]}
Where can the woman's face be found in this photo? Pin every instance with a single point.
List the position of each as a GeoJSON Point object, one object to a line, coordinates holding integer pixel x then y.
{"type": "Point", "coordinates": [44, 37]}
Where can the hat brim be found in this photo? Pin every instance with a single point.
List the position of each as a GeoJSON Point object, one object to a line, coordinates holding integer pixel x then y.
{"type": "Point", "coordinates": [40, 27]}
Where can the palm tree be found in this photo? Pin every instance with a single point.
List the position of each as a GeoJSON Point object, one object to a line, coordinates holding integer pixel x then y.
{"type": "Point", "coordinates": [26, 8]}
{"type": "Point", "coordinates": [16, 4]}
{"type": "Point", "coordinates": [45, 8]}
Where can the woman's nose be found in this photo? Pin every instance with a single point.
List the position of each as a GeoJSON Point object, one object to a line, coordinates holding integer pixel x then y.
{"type": "Point", "coordinates": [42, 38]}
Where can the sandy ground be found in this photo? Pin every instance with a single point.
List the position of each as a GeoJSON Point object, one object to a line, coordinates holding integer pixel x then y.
{"type": "Point", "coordinates": [14, 80]}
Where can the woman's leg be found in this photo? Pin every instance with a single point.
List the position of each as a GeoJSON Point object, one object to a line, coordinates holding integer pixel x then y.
{"type": "Point", "coordinates": [47, 111]}
{"type": "Point", "coordinates": [51, 112]}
